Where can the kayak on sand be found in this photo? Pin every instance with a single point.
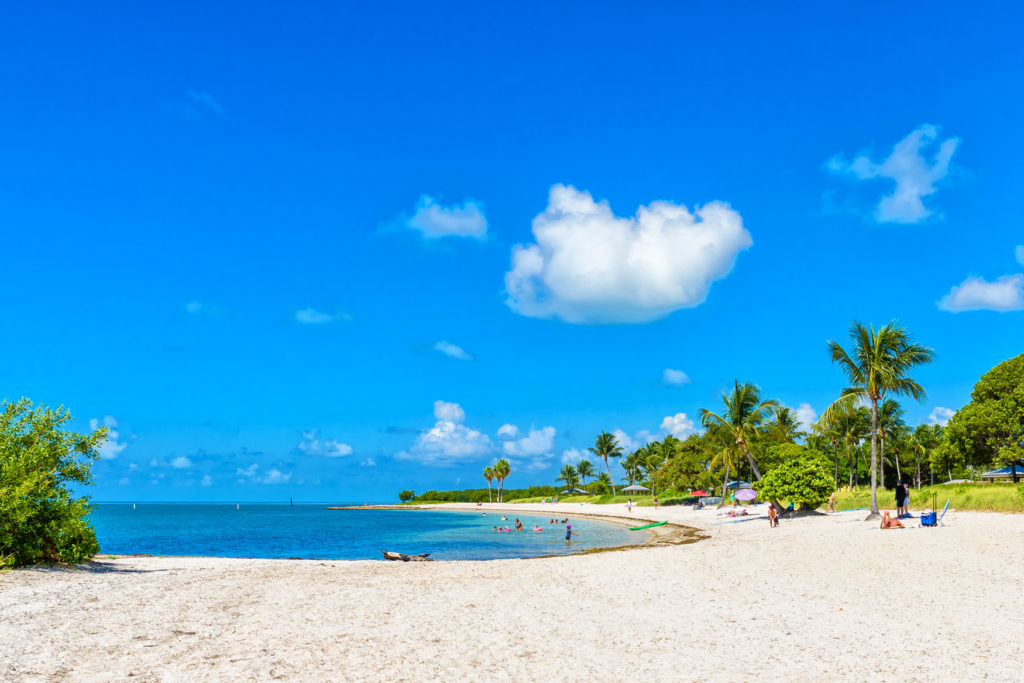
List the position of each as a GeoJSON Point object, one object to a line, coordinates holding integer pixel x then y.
{"type": "Point", "coordinates": [647, 526]}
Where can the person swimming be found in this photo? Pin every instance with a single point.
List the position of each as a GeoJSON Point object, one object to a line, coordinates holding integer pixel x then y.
{"type": "Point", "coordinates": [537, 527]}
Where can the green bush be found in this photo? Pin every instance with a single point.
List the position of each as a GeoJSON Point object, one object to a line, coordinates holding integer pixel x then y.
{"type": "Point", "coordinates": [406, 495]}
{"type": "Point", "coordinates": [674, 501]}
{"type": "Point", "coordinates": [803, 480]}
{"type": "Point", "coordinates": [41, 519]}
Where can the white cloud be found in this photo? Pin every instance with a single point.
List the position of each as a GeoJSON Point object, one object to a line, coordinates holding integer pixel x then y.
{"type": "Point", "coordinates": [434, 220]}
{"type": "Point", "coordinates": [678, 425]}
{"type": "Point", "coordinates": [806, 416]}
{"type": "Point", "coordinates": [154, 462]}
{"type": "Point", "coordinates": [181, 463]}
{"type": "Point", "coordinates": [311, 316]}
{"type": "Point", "coordinates": [914, 174]}
{"type": "Point", "coordinates": [675, 377]}
{"type": "Point", "coordinates": [206, 481]}
{"type": "Point", "coordinates": [368, 462]}
{"type": "Point", "coordinates": [204, 101]}
{"type": "Point", "coordinates": [975, 294]}
{"type": "Point", "coordinates": [508, 431]}
{"type": "Point", "coordinates": [631, 443]}
{"type": "Point", "coordinates": [941, 416]}
{"type": "Point", "coordinates": [449, 412]}
{"type": "Point", "coordinates": [534, 443]}
{"type": "Point", "coordinates": [571, 456]}
{"type": "Point", "coordinates": [311, 445]}
{"type": "Point", "coordinates": [194, 307]}
{"type": "Point", "coordinates": [111, 447]}
{"type": "Point", "coordinates": [448, 442]}
{"type": "Point", "coordinates": [451, 350]}
{"type": "Point", "coordinates": [249, 472]}
{"type": "Point", "coordinates": [275, 477]}
{"type": "Point", "coordinates": [590, 266]}
{"type": "Point", "coordinates": [132, 467]}
{"type": "Point", "coordinates": [1020, 254]}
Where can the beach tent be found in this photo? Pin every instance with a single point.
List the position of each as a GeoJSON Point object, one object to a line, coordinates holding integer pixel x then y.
{"type": "Point", "coordinates": [1014, 471]}
{"type": "Point", "coordinates": [636, 488]}
{"type": "Point", "coordinates": [738, 485]}
{"type": "Point", "coordinates": [576, 491]}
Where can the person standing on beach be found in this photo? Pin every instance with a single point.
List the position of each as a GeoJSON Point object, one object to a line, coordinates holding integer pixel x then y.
{"type": "Point", "coordinates": [773, 516]}
{"type": "Point", "coordinates": [831, 503]}
{"type": "Point", "coordinates": [655, 501]}
{"type": "Point", "coordinates": [569, 533]}
{"type": "Point", "coordinates": [901, 493]}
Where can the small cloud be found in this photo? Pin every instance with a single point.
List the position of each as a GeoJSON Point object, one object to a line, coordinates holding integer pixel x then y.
{"type": "Point", "coordinates": [124, 481]}
{"type": "Point", "coordinates": [248, 472]}
{"type": "Point", "coordinates": [913, 173]}
{"type": "Point", "coordinates": [674, 377]}
{"type": "Point", "coordinates": [194, 307]}
{"type": "Point", "coordinates": [941, 416]}
{"type": "Point", "coordinates": [206, 481]}
{"type": "Point", "coordinates": [311, 316]}
{"type": "Point", "coordinates": [571, 456]}
{"type": "Point", "coordinates": [181, 463]}
{"type": "Point", "coordinates": [275, 477]}
{"type": "Point", "coordinates": [434, 220]}
{"type": "Point", "coordinates": [678, 425]}
{"type": "Point", "coordinates": [806, 416]}
{"type": "Point", "coordinates": [111, 447]}
{"type": "Point", "coordinates": [368, 462]}
{"type": "Point", "coordinates": [449, 412]}
{"type": "Point", "coordinates": [975, 294]}
{"type": "Point", "coordinates": [451, 350]}
{"type": "Point", "coordinates": [132, 467]}
{"type": "Point", "coordinates": [631, 443]}
{"type": "Point", "coordinates": [508, 431]}
{"type": "Point", "coordinates": [536, 442]}
{"type": "Point", "coordinates": [311, 445]}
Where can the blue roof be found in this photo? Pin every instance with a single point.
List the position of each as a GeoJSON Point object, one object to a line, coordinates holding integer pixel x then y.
{"type": "Point", "coordinates": [1005, 471]}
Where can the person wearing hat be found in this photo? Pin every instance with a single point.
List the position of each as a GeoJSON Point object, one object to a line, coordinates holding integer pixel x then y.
{"type": "Point", "coordinates": [569, 533]}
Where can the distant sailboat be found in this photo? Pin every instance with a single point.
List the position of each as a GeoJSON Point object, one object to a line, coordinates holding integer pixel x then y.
{"type": "Point", "coordinates": [133, 506]}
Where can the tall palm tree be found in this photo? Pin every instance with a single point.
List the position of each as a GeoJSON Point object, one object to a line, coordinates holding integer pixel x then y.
{"type": "Point", "coordinates": [878, 366]}
{"type": "Point", "coordinates": [585, 469]}
{"type": "Point", "coordinates": [489, 476]}
{"type": "Point", "coordinates": [784, 425]}
{"type": "Point", "coordinates": [607, 446]}
{"type": "Point", "coordinates": [745, 413]}
{"type": "Point", "coordinates": [569, 476]}
{"type": "Point", "coordinates": [501, 470]}
{"type": "Point", "coordinates": [652, 464]}
{"type": "Point", "coordinates": [890, 416]}
{"type": "Point", "coordinates": [633, 463]}
{"type": "Point", "coordinates": [922, 441]}
{"type": "Point", "coordinates": [725, 455]}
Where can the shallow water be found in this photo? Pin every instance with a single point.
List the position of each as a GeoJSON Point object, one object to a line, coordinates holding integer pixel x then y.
{"type": "Point", "coordinates": [310, 531]}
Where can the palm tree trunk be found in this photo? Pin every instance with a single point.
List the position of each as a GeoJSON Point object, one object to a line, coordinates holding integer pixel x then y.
{"type": "Point", "coordinates": [609, 468]}
{"type": "Point", "coordinates": [753, 465]}
{"type": "Point", "coordinates": [917, 462]}
{"type": "Point", "coordinates": [849, 459]}
{"type": "Point", "coordinates": [896, 457]}
{"type": "Point", "coordinates": [835, 459]}
{"type": "Point", "coordinates": [874, 461]}
{"type": "Point", "coordinates": [725, 481]}
{"type": "Point", "coordinates": [881, 460]}
{"type": "Point", "coordinates": [489, 491]}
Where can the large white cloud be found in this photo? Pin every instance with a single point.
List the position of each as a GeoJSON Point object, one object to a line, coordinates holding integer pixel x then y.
{"type": "Point", "coordinates": [111, 447]}
{"type": "Point", "coordinates": [588, 265]}
{"type": "Point", "coordinates": [448, 442]}
{"type": "Point", "coordinates": [914, 174]}
{"type": "Point", "coordinates": [434, 220]}
{"type": "Point", "coordinates": [312, 445]}
{"type": "Point", "coordinates": [678, 425]}
{"type": "Point", "coordinates": [976, 294]}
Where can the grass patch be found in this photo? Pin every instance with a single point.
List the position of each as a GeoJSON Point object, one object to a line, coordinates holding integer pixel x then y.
{"type": "Point", "coordinates": [982, 497]}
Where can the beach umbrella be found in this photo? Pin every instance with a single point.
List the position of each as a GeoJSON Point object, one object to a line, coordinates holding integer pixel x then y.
{"type": "Point", "coordinates": [702, 492]}
{"type": "Point", "coordinates": [746, 494]}
{"type": "Point", "coordinates": [636, 488]}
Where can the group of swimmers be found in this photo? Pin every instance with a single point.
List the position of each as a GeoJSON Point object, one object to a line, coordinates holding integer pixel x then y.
{"type": "Point", "coordinates": [569, 533]}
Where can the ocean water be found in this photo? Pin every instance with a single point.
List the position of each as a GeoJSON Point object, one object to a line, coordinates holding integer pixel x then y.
{"type": "Point", "coordinates": [309, 531]}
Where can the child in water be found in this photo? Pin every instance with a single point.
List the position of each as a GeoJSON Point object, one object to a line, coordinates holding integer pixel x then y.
{"type": "Point", "coordinates": [569, 533]}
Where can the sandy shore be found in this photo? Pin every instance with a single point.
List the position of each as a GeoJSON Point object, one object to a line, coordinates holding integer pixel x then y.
{"type": "Point", "coordinates": [828, 597]}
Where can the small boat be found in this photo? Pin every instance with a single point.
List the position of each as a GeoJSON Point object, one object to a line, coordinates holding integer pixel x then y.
{"type": "Point", "coordinates": [389, 555]}
{"type": "Point", "coordinates": [647, 526]}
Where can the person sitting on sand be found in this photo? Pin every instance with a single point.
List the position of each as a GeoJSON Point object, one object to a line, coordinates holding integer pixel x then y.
{"type": "Point", "coordinates": [890, 522]}
{"type": "Point", "coordinates": [773, 516]}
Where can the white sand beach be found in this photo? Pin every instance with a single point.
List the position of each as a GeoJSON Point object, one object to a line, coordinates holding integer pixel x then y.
{"type": "Point", "coordinates": [818, 598]}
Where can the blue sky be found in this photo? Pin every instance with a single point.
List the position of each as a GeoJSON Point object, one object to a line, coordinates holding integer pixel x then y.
{"type": "Point", "coordinates": [332, 251]}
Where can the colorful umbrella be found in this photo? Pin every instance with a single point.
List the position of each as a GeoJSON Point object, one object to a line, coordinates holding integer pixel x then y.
{"type": "Point", "coordinates": [746, 494]}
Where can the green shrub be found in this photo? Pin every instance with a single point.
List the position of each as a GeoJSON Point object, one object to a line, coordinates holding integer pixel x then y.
{"type": "Point", "coordinates": [803, 480]}
{"type": "Point", "coordinates": [41, 519]}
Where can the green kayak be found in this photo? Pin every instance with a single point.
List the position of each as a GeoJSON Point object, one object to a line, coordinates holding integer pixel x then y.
{"type": "Point", "coordinates": [647, 526]}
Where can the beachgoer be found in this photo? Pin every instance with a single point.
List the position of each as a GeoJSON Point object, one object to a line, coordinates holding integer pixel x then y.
{"type": "Point", "coordinates": [901, 494]}
{"type": "Point", "coordinates": [519, 525]}
{"type": "Point", "coordinates": [569, 533]}
{"type": "Point", "coordinates": [504, 518]}
{"type": "Point", "coordinates": [537, 527]}
{"type": "Point", "coordinates": [655, 501]}
{"type": "Point", "coordinates": [890, 522]}
{"type": "Point", "coordinates": [732, 497]}
{"type": "Point", "coordinates": [494, 528]}
{"type": "Point", "coordinates": [773, 516]}
{"type": "Point", "coordinates": [629, 505]}
{"type": "Point", "coordinates": [906, 500]}
{"type": "Point", "coordinates": [831, 503]}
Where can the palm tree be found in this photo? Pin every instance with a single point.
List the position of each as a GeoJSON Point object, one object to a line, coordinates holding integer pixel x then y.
{"type": "Point", "coordinates": [922, 441]}
{"type": "Point", "coordinates": [828, 434]}
{"type": "Point", "coordinates": [726, 455]}
{"type": "Point", "coordinates": [890, 416]}
{"type": "Point", "coordinates": [501, 470]}
{"type": "Point", "coordinates": [784, 426]}
{"type": "Point", "coordinates": [633, 462]}
{"type": "Point", "coordinates": [489, 476]}
{"type": "Point", "coordinates": [879, 366]}
{"type": "Point", "coordinates": [584, 469]}
{"type": "Point", "coordinates": [604, 478]}
{"type": "Point", "coordinates": [652, 464]}
{"type": "Point", "coordinates": [569, 476]}
{"type": "Point", "coordinates": [745, 413]}
{"type": "Point", "coordinates": [607, 446]}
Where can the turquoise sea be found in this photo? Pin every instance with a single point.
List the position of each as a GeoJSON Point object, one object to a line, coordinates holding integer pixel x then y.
{"type": "Point", "coordinates": [310, 531]}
